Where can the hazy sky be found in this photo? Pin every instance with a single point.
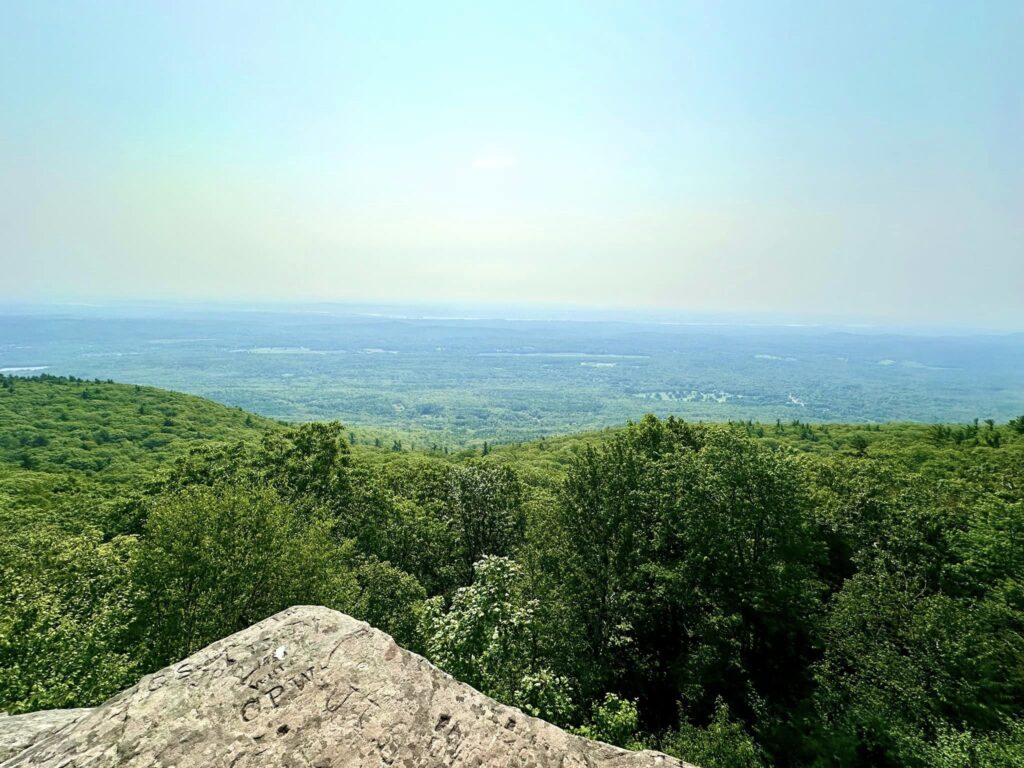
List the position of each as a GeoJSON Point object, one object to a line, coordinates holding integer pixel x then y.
{"type": "Point", "coordinates": [850, 158]}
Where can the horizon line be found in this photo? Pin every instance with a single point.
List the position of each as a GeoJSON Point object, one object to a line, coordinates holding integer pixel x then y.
{"type": "Point", "coordinates": [520, 311]}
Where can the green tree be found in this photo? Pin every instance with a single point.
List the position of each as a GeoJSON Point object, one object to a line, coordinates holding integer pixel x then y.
{"type": "Point", "coordinates": [391, 600]}
{"type": "Point", "coordinates": [68, 612]}
{"type": "Point", "coordinates": [928, 635]}
{"type": "Point", "coordinates": [484, 506]}
{"type": "Point", "coordinates": [614, 721]}
{"type": "Point", "coordinates": [859, 444]}
{"type": "Point", "coordinates": [307, 466]}
{"type": "Point", "coordinates": [722, 744]}
{"type": "Point", "coordinates": [217, 559]}
{"type": "Point", "coordinates": [607, 524]}
{"type": "Point", "coordinates": [405, 528]}
{"type": "Point", "coordinates": [691, 566]}
{"type": "Point", "coordinates": [490, 638]}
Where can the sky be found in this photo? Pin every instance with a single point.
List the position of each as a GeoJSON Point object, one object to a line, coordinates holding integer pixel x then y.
{"type": "Point", "coordinates": [857, 159]}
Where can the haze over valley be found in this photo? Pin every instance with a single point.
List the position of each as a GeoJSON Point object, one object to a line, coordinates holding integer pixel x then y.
{"type": "Point", "coordinates": [451, 379]}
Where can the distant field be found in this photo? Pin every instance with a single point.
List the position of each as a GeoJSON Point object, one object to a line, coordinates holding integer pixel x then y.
{"type": "Point", "coordinates": [462, 381]}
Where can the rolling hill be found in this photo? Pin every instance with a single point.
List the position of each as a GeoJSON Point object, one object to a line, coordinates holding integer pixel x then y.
{"type": "Point", "coordinates": [111, 433]}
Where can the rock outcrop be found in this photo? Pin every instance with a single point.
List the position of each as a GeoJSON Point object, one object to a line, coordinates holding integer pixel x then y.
{"type": "Point", "coordinates": [310, 687]}
{"type": "Point", "coordinates": [19, 732]}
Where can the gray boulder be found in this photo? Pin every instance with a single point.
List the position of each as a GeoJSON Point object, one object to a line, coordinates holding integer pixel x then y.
{"type": "Point", "coordinates": [19, 732]}
{"type": "Point", "coordinates": [312, 687]}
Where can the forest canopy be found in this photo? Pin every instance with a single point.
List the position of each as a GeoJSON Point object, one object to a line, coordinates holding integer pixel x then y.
{"type": "Point", "coordinates": [737, 594]}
